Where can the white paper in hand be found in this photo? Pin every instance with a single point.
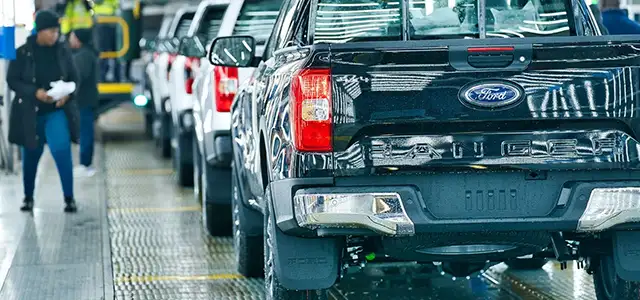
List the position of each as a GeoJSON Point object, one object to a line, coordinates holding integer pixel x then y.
{"type": "Point", "coordinates": [60, 89]}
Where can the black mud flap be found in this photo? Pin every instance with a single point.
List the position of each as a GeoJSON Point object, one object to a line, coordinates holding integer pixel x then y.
{"type": "Point", "coordinates": [626, 254]}
{"type": "Point", "coordinates": [306, 263]}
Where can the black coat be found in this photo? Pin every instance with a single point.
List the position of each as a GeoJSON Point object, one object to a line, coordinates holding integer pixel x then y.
{"type": "Point", "coordinates": [21, 79]}
{"type": "Point", "coordinates": [87, 63]}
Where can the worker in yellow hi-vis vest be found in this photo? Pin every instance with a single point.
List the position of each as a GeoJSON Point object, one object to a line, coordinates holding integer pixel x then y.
{"type": "Point", "coordinates": [77, 14]}
{"type": "Point", "coordinates": [108, 34]}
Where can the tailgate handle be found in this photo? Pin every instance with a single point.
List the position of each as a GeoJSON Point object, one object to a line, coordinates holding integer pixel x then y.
{"type": "Point", "coordinates": [483, 58]}
{"type": "Point", "coordinates": [490, 57]}
{"type": "Point", "coordinates": [490, 61]}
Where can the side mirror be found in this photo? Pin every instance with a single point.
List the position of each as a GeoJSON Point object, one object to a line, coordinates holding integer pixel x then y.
{"type": "Point", "coordinates": [173, 44]}
{"type": "Point", "coordinates": [161, 45]}
{"type": "Point", "coordinates": [233, 51]}
{"type": "Point", "coordinates": [152, 45]}
{"type": "Point", "coordinates": [143, 43]}
{"type": "Point", "coordinates": [191, 47]}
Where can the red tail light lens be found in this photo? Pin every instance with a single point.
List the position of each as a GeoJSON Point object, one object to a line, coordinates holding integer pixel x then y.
{"type": "Point", "coordinates": [311, 110]}
{"type": "Point", "coordinates": [191, 65]}
{"type": "Point", "coordinates": [189, 86]}
{"type": "Point", "coordinates": [172, 57]}
{"type": "Point", "coordinates": [489, 49]}
{"type": "Point", "coordinates": [225, 83]}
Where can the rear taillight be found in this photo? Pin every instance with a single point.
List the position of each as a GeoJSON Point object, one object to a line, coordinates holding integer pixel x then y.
{"type": "Point", "coordinates": [172, 57]}
{"type": "Point", "coordinates": [225, 83]}
{"type": "Point", "coordinates": [190, 64]}
{"type": "Point", "coordinates": [311, 110]}
{"type": "Point", "coordinates": [188, 85]}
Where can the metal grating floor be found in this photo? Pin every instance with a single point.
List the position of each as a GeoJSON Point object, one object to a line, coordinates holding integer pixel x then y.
{"type": "Point", "coordinates": [161, 251]}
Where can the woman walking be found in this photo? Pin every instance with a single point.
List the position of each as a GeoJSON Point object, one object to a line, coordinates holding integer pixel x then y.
{"type": "Point", "coordinates": [36, 118]}
{"type": "Point", "coordinates": [86, 58]}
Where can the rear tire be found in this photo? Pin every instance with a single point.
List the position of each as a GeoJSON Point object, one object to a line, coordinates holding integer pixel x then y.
{"type": "Point", "coordinates": [273, 288]}
{"type": "Point", "coordinates": [526, 264]}
{"type": "Point", "coordinates": [217, 219]}
{"type": "Point", "coordinates": [164, 147]}
{"type": "Point", "coordinates": [163, 140]}
{"type": "Point", "coordinates": [184, 171]}
{"type": "Point", "coordinates": [608, 285]}
{"type": "Point", "coordinates": [197, 173]}
{"type": "Point", "coordinates": [148, 125]}
{"type": "Point", "coordinates": [150, 113]}
{"type": "Point", "coordinates": [216, 216]}
{"type": "Point", "coordinates": [248, 249]}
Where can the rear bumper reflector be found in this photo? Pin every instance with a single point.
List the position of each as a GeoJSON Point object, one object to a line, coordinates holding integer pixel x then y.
{"type": "Point", "coordinates": [608, 207]}
{"type": "Point", "coordinates": [383, 213]}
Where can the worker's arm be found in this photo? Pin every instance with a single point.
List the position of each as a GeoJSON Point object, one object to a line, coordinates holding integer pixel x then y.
{"type": "Point", "coordinates": [72, 69]}
{"type": "Point", "coordinates": [24, 89]}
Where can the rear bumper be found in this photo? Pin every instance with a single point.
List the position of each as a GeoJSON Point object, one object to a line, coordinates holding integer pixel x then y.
{"type": "Point", "coordinates": [334, 208]}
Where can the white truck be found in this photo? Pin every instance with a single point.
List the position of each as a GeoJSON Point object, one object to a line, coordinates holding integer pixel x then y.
{"type": "Point", "coordinates": [158, 74]}
{"type": "Point", "coordinates": [206, 23]}
{"type": "Point", "coordinates": [214, 89]}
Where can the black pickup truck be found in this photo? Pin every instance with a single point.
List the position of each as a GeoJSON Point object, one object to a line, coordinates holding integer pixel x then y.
{"type": "Point", "coordinates": [461, 134]}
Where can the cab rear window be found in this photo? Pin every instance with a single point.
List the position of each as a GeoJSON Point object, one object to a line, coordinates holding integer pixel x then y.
{"type": "Point", "coordinates": [257, 18]}
{"type": "Point", "coordinates": [183, 25]}
{"type": "Point", "coordinates": [341, 21]}
{"type": "Point", "coordinates": [211, 23]}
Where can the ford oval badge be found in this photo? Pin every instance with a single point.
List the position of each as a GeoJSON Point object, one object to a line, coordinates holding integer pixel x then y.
{"type": "Point", "coordinates": [491, 94]}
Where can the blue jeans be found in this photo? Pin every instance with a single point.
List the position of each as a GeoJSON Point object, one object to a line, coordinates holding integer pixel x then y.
{"type": "Point", "coordinates": [87, 136]}
{"type": "Point", "coordinates": [54, 129]}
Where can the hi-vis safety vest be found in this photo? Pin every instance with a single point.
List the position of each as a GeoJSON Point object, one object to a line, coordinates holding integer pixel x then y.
{"type": "Point", "coordinates": [106, 8]}
{"type": "Point", "coordinates": [76, 16]}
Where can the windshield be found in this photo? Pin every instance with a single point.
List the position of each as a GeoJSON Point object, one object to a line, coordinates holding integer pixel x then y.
{"type": "Point", "coordinates": [340, 21]}
{"type": "Point", "coordinates": [257, 19]}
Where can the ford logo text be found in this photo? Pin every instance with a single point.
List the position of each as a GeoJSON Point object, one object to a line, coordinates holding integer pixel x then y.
{"type": "Point", "coordinates": [491, 94]}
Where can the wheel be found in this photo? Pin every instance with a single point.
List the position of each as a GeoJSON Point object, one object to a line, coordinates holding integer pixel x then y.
{"type": "Point", "coordinates": [526, 264]}
{"type": "Point", "coordinates": [149, 114]}
{"type": "Point", "coordinates": [184, 171]}
{"type": "Point", "coordinates": [163, 144]}
{"type": "Point", "coordinates": [217, 219]}
{"type": "Point", "coordinates": [197, 172]}
{"type": "Point", "coordinates": [608, 285]}
{"type": "Point", "coordinates": [273, 289]}
{"type": "Point", "coordinates": [148, 125]}
{"type": "Point", "coordinates": [248, 249]}
{"type": "Point", "coordinates": [215, 216]}
{"type": "Point", "coordinates": [164, 147]}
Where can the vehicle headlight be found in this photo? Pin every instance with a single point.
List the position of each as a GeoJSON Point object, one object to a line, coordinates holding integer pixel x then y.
{"type": "Point", "coordinates": [608, 207]}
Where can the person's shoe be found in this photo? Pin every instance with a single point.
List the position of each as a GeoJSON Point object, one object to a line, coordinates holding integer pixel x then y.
{"type": "Point", "coordinates": [70, 205]}
{"type": "Point", "coordinates": [84, 171]}
{"type": "Point", "coordinates": [27, 204]}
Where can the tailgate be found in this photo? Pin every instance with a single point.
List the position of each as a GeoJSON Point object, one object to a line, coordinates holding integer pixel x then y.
{"type": "Point", "coordinates": [517, 103]}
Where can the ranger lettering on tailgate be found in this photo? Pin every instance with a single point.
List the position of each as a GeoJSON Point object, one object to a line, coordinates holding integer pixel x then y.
{"type": "Point", "coordinates": [455, 148]}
